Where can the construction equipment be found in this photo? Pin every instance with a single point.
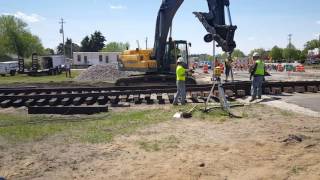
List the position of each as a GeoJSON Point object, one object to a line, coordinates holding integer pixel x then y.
{"type": "Point", "coordinates": [159, 63]}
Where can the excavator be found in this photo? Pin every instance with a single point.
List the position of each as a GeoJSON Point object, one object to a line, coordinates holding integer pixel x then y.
{"type": "Point", "coordinates": [158, 64]}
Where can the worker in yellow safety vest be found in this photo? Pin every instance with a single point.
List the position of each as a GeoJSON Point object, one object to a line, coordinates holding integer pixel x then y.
{"type": "Point", "coordinates": [257, 72]}
{"type": "Point", "coordinates": [181, 82]}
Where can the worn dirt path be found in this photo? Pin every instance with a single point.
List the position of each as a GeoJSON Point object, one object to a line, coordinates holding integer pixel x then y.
{"type": "Point", "coordinates": [273, 145]}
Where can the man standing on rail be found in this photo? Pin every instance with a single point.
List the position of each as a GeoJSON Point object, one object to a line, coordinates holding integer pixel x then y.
{"type": "Point", "coordinates": [181, 82]}
{"type": "Point", "coordinates": [257, 72]}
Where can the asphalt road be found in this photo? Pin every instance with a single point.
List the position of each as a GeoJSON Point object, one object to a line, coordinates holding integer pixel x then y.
{"type": "Point", "coordinates": [308, 100]}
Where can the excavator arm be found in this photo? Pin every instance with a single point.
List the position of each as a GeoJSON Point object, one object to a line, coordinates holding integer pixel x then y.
{"type": "Point", "coordinates": [213, 21]}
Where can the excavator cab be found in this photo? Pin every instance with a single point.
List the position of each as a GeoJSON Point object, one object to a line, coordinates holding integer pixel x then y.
{"type": "Point", "coordinates": [175, 50]}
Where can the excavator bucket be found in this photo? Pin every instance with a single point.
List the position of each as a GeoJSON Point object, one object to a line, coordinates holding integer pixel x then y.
{"type": "Point", "coordinates": [214, 23]}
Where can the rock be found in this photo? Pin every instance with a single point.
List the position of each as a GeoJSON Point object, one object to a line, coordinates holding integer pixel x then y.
{"type": "Point", "coordinates": [109, 72]}
{"type": "Point", "coordinates": [202, 165]}
{"type": "Point", "coordinates": [294, 139]}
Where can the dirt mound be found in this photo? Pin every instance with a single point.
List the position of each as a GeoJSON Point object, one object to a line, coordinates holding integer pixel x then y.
{"type": "Point", "coordinates": [102, 73]}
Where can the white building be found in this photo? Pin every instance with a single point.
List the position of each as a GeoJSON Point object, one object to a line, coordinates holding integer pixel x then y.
{"type": "Point", "coordinates": [95, 58]}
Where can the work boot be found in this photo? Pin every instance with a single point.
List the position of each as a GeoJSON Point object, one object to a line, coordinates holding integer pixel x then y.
{"type": "Point", "coordinates": [252, 99]}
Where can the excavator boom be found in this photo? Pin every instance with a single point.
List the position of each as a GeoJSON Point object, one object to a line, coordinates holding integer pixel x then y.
{"type": "Point", "coordinates": [213, 21]}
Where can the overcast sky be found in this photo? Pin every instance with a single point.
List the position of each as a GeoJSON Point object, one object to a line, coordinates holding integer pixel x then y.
{"type": "Point", "coordinates": [261, 23]}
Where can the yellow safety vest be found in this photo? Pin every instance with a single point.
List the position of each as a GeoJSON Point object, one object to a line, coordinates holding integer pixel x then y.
{"type": "Point", "coordinates": [260, 68]}
{"type": "Point", "coordinates": [181, 73]}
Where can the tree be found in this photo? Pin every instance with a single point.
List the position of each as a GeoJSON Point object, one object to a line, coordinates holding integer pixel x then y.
{"type": "Point", "coordinates": [116, 47]}
{"type": "Point", "coordinates": [16, 39]}
{"type": "Point", "coordinates": [313, 44]}
{"type": "Point", "coordinates": [276, 53]}
{"type": "Point", "coordinates": [75, 48]}
{"type": "Point", "coordinates": [237, 53]}
{"type": "Point", "coordinates": [93, 44]}
{"type": "Point", "coordinates": [291, 54]}
{"type": "Point", "coordinates": [48, 51]}
{"type": "Point", "coordinates": [263, 53]}
{"type": "Point", "coordinates": [97, 41]}
{"type": "Point", "coordinates": [85, 44]}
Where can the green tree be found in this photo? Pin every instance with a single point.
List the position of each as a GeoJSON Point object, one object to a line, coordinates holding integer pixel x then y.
{"type": "Point", "coordinates": [16, 39]}
{"type": "Point", "coordinates": [85, 44]}
{"type": "Point", "coordinates": [313, 44]}
{"type": "Point", "coordinates": [97, 41]}
{"type": "Point", "coordinates": [291, 54]}
{"type": "Point", "coordinates": [276, 53]}
{"type": "Point", "coordinates": [93, 44]}
{"type": "Point", "coordinates": [75, 48]}
{"type": "Point", "coordinates": [116, 47]}
{"type": "Point", "coordinates": [237, 53]}
{"type": "Point", "coordinates": [263, 53]}
{"type": "Point", "coordinates": [48, 51]}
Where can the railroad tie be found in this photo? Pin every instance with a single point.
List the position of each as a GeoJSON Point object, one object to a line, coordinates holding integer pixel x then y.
{"type": "Point", "coordinates": [267, 90]}
{"type": "Point", "coordinates": [171, 97]}
{"type": "Point", "coordinates": [160, 98]}
{"type": "Point", "coordinates": [53, 101]}
{"type": "Point", "coordinates": [276, 91]}
{"type": "Point", "coordinates": [114, 100]}
{"type": "Point", "coordinates": [41, 102]}
{"type": "Point", "coordinates": [30, 102]}
{"type": "Point", "coordinates": [18, 103]}
{"type": "Point", "coordinates": [102, 100]}
{"type": "Point", "coordinates": [137, 99]}
{"type": "Point", "coordinates": [66, 101]}
{"type": "Point", "coordinates": [241, 93]}
{"type": "Point", "coordinates": [90, 100]}
{"type": "Point", "coordinates": [194, 97]}
{"type": "Point", "coordinates": [77, 101]}
{"type": "Point", "coordinates": [123, 98]}
{"type": "Point", "coordinates": [288, 90]}
{"type": "Point", "coordinates": [229, 93]}
{"type": "Point", "coordinates": [300, 89]}
{"type": "Point", "coordinates": [148, 99]}
{"type": "Point", "coordinates": [313, 89]}
{"type": "Point", "coordinates": [67, 110]}
{"type": "Point", "coordinates": [6, 103]}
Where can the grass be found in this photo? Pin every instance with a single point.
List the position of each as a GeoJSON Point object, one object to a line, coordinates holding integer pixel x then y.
{"type": "Point", "coordinates": [92, 129]}
{"type": "Point", "coordinates": [170, 142]}
{"type": "Point", "coordinates": [22, 78]}
{"type": "Point", "coordinates": [21, 127]}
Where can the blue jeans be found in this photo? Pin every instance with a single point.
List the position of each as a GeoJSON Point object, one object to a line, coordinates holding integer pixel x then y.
{"type": "Point", "coordinates": [181, 92]}
{"type": "Point", "coordinates": [256, 88]}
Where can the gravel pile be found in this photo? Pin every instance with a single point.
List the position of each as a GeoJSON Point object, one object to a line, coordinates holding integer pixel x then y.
{"type": "Point", "coordinates": [107, 72]}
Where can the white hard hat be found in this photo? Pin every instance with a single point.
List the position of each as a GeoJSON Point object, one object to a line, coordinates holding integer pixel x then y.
{"type": "Point", "coordinates": [180, 60]}
{"type": "Point", "coordinates": [256, 54]}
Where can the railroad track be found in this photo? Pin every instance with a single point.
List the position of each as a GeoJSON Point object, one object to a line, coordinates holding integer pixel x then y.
{"type": "Point", "coordinates": [97, 99]}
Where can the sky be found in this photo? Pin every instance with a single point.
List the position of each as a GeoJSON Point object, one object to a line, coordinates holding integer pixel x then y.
{"type": "Point", "coordinates": [261, 23]}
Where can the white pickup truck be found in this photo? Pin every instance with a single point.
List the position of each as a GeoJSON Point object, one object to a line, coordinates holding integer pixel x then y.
{"type": "Point", "coordinates": [9, 67]}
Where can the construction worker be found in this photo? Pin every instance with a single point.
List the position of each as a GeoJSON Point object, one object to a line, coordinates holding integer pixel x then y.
{"type": "Point", "coordinates": [181, 82]}
{"type": "Point", "coordinates": [68, 69]}
{"type": "Point", "coordinates": [228, 67]}
{"type": "Point", "coordinates": [257, 72]}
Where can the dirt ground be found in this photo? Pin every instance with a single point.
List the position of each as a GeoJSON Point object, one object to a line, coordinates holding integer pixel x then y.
{"type": "Point", "coordinates": [273, 145]}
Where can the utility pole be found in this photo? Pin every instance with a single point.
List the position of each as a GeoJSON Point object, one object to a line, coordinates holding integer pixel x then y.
{"type": "Point", "coordinates": [62, 32]}
{"type": "Point", "coordinates": [290, 40]}
{"type": "Point", "coordinates": [319, 45]}
{"type": "Point", "coordinates": [146, 43]}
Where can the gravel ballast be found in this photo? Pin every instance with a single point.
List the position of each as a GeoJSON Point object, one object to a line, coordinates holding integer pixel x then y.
{"type": "Point", "coordinates": [107, 72]}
